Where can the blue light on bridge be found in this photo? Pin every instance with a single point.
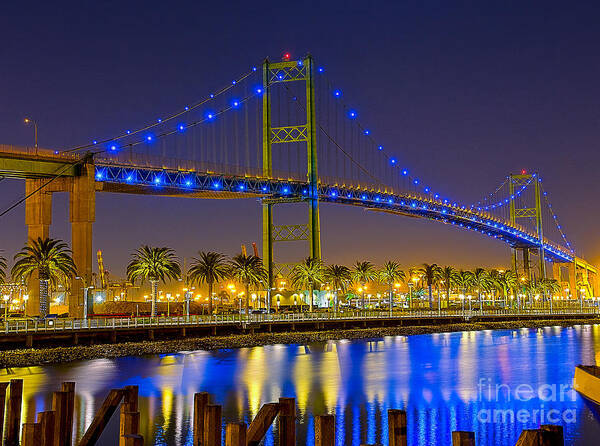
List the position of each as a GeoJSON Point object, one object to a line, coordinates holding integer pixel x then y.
{"type": "Point", "coordinates": [258, 90]}
{"type": "Point", "coordinates": [264, 188]}
{"type": "Point", "coordinates": [216, 185]}
{"type": "Point", "coordinates": [426, 190]}
{"type": "Point", "coordinates": [181, 127]}
{"type": "Point", "coordinates": [405, 172]}
{"type": "Point", "coordinates": [380, 148]}
{"type": "Point", "coordinates": [364, 197]}
{"type": "Point", "coordinates": [159, 120]}
{"type": "Point", "coordinates": [99, 175]}
{"type": "Point", "coordinates": [392, 161]}
{"type": "Point", "coordinates": [253, 68]}
{"type": "Point", "coordinates": [233, 82]}
{"type": "Point", "coordinates": [235, 103]}
{"type": "Point", "coordinates": [367, 131]}
{"type": "Point", "coordinates": [337, 93]}
{"type": "Point", "coordinates": [320, 69]}
{"type": "Point", "coordinates": [128, 132]}
{"type": "Point", "coordinates": [416, 181]}
{"type": "Point", "coordinates": [352, 114]}
{"type": "Point", "coordinates": [129, 178]}
{"type": "Point", "coordinates": [113, 147]}
{"type": "Point", "coordinates": [241, 187]}
{"type": "Point", "coordinates": [157, 180]}
{"type": "Point", "coordinates": [211, 95]}
{"type": "Point", "coordinates": [334, 194]}
{"type": "Point", "coordinates": [188, 182]}
{"type": "Point", "coordinates": [186, 108]}
{"type": "Point", "coordinates": [149, 138]}
{"type": "Point", "coordinates": [94, 142]}
{"type": "Point", "coordinates": [286, 190]}
{"type": "Point", "coordinates": [210, 115]}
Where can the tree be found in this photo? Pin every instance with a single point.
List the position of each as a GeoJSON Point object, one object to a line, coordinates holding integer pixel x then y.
{"type": "Point", "coordinates": [2, 269]}
{"type": "Point", "coordinates": [449, 275]}
{"type": "Point", "coordinates": [208, 268]}
{"type": "Point", "coordinates": [248, 270]}
{"type": "Point", "coordinates": [155, 265]}
{"type": "Point", "coordinates": [430, 274]}
{"type": "Point", "coordinates": [51, 259]}
{"type": "Point", "coordinates": [390, 274]}
{"type": "Point", "coordinates": [363, 273]}
{"type": "Point", "coordinates": [482, 282]}
{"type": "Point", "coordinates": [307, 275]}
{"type": "Point", "coordinates": [339, 277]}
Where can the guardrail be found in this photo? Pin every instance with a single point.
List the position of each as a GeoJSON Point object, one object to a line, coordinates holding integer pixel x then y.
{"type": "Point", "coordinates": [60, 324]}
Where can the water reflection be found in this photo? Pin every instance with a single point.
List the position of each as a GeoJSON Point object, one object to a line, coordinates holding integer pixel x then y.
{"type": "Point", "coordinates": [439, 379]}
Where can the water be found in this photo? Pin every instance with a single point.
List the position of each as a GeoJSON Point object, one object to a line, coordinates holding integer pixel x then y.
{"type": "Point", "coordinates": [443, 381]}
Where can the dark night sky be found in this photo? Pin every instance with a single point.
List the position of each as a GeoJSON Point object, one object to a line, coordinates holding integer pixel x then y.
{"type": "Point", "coordinates": [466, 92]}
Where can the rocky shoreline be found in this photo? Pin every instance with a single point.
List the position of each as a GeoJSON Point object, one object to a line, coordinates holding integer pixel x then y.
{"type": "Point", "coordinates": [56, 355]}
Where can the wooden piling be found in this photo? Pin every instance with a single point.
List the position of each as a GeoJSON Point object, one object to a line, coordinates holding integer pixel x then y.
{"type": "Point", "coordinates": [201, 400]}
{"type": "Point", "coordinates": [60, 406]}
{"type": "Point", "coordinates": [261, 423]}
{"type": "Point", "coordinates": [13, 416]}
{"type": "Point", "coordinates": [3, 387]}
{"type": "Point", "coordinates": [324, 430]}
{"type": "Point", "coordinates": [212, 425]}
{"type": "Point", "coordinates": [47, 423]}
{"type": "Point", "coordinates": [31, 434]}
{"type": "Point", "coordinates": [397, 427]}
{"type": "Point", "coordinates": [235, 434]}
{"type": "Point", "coordinates": [129, 424]}
{"type": "Point", "coordinates": [287, 422]}
{"type": "Point", "coordinates": [463, 438]}
{"type": "Point", "coordinates": [69, 387]}
{"type": "Point", "coordinates": [101, 418]}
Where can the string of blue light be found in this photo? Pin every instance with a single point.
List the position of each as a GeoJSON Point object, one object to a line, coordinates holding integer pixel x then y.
{"type": "Point", "coordinates": [169, 117]}
{"type": "Point", "coordinates": [555, 218]}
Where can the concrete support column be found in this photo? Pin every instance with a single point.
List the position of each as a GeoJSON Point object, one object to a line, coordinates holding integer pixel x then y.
{"type": "Point", "coordinates": [573, 280]}
{"type": "Point", "coordinates": [82, 202]}
{"type": "Point", "coordinates": [38, 218]}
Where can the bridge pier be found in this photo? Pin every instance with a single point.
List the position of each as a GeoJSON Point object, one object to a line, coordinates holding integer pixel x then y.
{"type": "Point", "coordinates": [82, 203]}
{"type": "Point", "coordinates": [38, 218]}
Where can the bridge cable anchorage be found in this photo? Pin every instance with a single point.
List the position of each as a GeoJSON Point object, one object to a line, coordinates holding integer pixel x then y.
{"type": "Point", "coordinates": [170, 117]}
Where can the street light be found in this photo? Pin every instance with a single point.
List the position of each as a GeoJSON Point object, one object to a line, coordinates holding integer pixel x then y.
{"type": "Point", "coordinates": [35, 132]}
{"type": "Point", "coordinates": [6, 298]}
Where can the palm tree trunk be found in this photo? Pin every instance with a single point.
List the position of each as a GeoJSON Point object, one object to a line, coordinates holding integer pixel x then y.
{"type": "Point", "coordinates": [210, 306]}
{"type": "Point", "coordinates": [311, 300]}
{"type": "Point", "coordinates": [430, 289]}
{"type": "Point", "coordinates": [448, 296]}
{"type": "Point", "coordinates": [391, 299]}
{"type": "Point", "coordinates": [335, 302]}
{"type": "Point", "coordinates": [43, 297]}
{"type": "Point", "coordinates": [480, 302]}
{"type": "Point", "coordinates": [154, 292]}
{"type": "Point", "coordinates": [247, 300]}
{"type": "Point", "coordinates": [363, 299]}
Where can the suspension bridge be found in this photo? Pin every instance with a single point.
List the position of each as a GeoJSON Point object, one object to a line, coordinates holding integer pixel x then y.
{"type": "Point", "coordinates": [282, 133]}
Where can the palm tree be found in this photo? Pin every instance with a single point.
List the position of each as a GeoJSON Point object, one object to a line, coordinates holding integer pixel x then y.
{"type": "Point", "coordinates": [449, 275]}
{"type": "Point", "coordinates": [429, 275]}
{"type": "Point", "coordinates": [510, 280]}
{"type": "Point", "coordinates": [481, 281]}
{"type": "Point", "coordinates": [307, 275]}
{"type": "Point", "coordinates": [390, 274]}
{"type": "Point", "coordinates": [153, 264]}
{"type": "Point", "coordinates": [248, 270]}
{"type": "Point", "coordinates": [2, 269]}
{"type": "Point", "coordinates": [363, 273]}
{"type": "Point", "coordinates": [51, 259]}
{"type": "Point", "coordinates": [339, 277]}
{"type": "Point", "coordinates": [208, 268]}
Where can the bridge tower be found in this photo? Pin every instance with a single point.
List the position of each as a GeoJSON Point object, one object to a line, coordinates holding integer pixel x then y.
{"type": "Point", "coordinates": [273, 73]}
{"type": "Point", "coordinates": [524, 261]}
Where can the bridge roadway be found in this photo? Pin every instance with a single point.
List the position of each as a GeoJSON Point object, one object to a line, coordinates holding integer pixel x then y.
{"type": "Point", "coordinates": [17, 333]}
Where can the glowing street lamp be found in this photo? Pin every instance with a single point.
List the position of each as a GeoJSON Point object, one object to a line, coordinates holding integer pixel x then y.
{"type": "Point", "coordinates": [35, 131]}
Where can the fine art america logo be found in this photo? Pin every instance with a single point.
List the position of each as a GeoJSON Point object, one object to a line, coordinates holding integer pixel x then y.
{"type": "Point", "coordinates": [524, 403]}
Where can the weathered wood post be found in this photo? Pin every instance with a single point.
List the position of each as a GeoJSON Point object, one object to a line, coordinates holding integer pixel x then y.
{"type": "Point", "coordinates": [69, 387]}
{"type": "Point", "coordinates": [129, 416]}
{"type": "Point", "coordinates": [287, 422]}
{"type": "Point", "coordinates": [261, 423]}
{"type": "Point", "coordinates": [3, 387]}
{"type": "Point", "coordinates": [235, 434]}
{"type": "Point", "coordinates": [324, 430]}
{"type": "Point", "coordinates": [201, 400]}
{"type": "Point", "coordinates": [133, 440]}
{"type": "Point", "coordinates": [101, 418]}
{"type": "Point", "coordinates": [32, 434]}
{"type": "Point", "coordinates": [47, 423]}
{"type": "Point", "coordinates": [463, 438]}
{"type": "Point", "coordinates": [13, 419]}
{"type": "Point", "coordinates": [212, 425]}
{"type": "Point", "coordinates": [60, 406]}
{"type": "Point", "coordinates": [397, 427]}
